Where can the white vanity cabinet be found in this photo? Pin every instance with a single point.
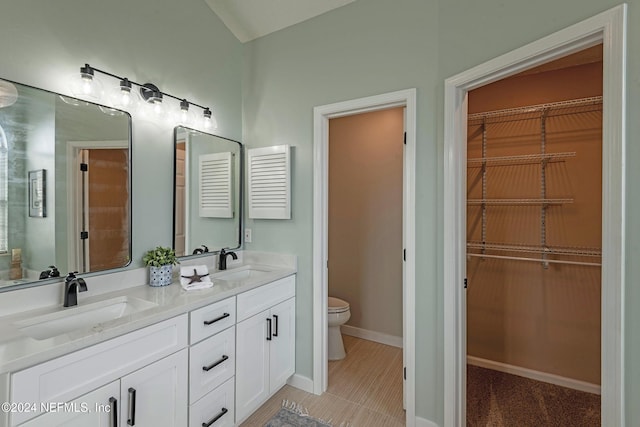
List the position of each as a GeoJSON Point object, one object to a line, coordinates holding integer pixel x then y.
{"type": "Point", "coordinates": [156, 395]}
{"type": "Point", "coordinates": [152, 396]}
{"type": "Point", "coordinates": [97, 409]}
{"type": "Point", "coordinates": [152, 362]}
{"type": "Point", "coordinates": [212, 363]}
{"type": "Point", "coordinates": [265, 343]}
{"type": "Point", "coordinates": [212, 366]}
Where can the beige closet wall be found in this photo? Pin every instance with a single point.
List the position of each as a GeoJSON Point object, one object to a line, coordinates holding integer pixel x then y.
{"type": "Point", "coordinates": [518, 312]}
{"type": "Point", "coordinates": [365, 218]}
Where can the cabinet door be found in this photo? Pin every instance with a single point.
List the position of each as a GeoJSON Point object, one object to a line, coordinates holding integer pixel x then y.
{"type": "Point", "coordinates": [252, 364]}
{"type": "Point", "coordinates": [282, 358]}
{"type": "Point", "coordinates": [92, 409]}
{"type": "Point", "coordinates": [156, 395]}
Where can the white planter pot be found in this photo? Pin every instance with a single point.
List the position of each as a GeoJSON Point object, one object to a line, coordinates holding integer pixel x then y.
{"type": "Point", "coordinates": [160, 276]}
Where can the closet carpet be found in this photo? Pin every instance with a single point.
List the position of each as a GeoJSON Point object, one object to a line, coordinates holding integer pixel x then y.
{"type": "Point", "coordinates": [499, 399]}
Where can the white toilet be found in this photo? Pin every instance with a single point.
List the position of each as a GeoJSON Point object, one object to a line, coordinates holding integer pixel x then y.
{"type": "Point", "coordinates": [339, 314]}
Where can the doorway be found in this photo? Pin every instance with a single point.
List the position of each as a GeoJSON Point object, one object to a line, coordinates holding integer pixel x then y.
{"type": "Point", "coordinates": [98, 203]}
{"type": "Point", "coordinates": [322, 115]}
{"type": "Point", "coordinates": [534, 157]}
{"type": "Point", "coordinates": [607, 28]}
{"type": "Point", "coordinates": [365, 258]}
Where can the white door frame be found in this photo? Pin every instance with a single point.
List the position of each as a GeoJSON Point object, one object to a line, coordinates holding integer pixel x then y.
{"type": "Point", "coordinates": [608, 28]}
{"type": "Point", "coordinates": [74, 204]}
{"type": "Point", "coordinates": [321, 116]}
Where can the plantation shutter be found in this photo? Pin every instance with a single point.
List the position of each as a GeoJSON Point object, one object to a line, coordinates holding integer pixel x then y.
{"type": "Point", "coordinates": [216, 185]}
{"type": "Point", "coordinates": [269, 182]}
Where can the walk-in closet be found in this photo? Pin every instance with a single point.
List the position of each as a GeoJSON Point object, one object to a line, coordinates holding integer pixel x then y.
{"type": "Point", "coordinates": [534, 190]}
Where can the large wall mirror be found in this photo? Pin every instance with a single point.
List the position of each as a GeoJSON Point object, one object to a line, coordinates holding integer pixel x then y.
{"type": "Point", "coordinates": [208, 193]}
{"type": "Point", "coordinates": [65, 179]}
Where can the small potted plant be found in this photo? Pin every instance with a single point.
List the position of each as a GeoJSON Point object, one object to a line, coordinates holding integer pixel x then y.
{"type": "Point", "coordinates": [160, 262]}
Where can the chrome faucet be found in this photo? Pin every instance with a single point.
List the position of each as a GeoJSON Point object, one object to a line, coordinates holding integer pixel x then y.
{"type": "Point", "coordinates": [222, 258]}
{"type": "Point", "coordinates": [73, 285]}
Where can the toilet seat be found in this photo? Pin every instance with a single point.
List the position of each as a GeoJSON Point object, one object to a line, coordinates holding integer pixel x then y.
{"type": "Point", "coordinates": [336, 305]}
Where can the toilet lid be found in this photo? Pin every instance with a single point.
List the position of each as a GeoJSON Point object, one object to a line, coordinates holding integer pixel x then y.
{"type": "Point", "coordinates": [336, 305]}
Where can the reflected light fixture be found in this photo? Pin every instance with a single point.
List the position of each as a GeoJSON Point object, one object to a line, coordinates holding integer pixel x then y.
{"type": "Point", "coordinates": [88, 86]}
{"type": "Point", "coordinates": [8, 94]}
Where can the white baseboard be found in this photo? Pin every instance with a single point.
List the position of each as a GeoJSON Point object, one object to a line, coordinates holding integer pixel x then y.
{"type": "Point", "coordinates": [372, 336]}
{"type": "Point", "coordinates": [535, 375]}
{"type": "Point", "coordinates": [301, 382]}
{"type": "Point", "coordinates": [423, 422]}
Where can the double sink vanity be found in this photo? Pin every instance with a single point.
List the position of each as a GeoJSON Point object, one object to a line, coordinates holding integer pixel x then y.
{"type": "Point", "coordinates": [154, 356]}
{"type": "Point", "coordinates": [129, 354]}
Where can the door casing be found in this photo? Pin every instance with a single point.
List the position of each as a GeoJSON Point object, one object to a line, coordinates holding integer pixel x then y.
{"type": "Point", "coordinates": [608, 28]}
{"type": "Point", "coordinates": [322, 115]}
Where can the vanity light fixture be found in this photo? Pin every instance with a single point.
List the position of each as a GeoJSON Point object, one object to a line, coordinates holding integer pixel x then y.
{"type": "Point", "coordinates": [88, 86]}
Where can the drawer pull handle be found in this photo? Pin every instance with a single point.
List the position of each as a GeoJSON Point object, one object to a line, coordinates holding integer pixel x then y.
{"type": "Point", "coordinates": [113, 403]}
{"type": "Point", "coordinates": [216, 418]}
{"type": "Point", "coordinates": [275, 319]}
{"type": "Point", "coordinates": [132, 407]}
{"type": "Point", "coordinates": [269, 335]}
{"type": "Point", "coordinates": [214, 364]}
{"type": "Point", "coordinates": [217, 319]}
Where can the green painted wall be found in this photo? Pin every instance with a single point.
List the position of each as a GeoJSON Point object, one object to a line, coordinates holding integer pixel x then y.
{"type": "Point", "coordinates": [376, 46]}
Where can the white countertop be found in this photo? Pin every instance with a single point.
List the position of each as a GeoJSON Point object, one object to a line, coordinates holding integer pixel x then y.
{"type": "Point", "coordinates": [19, 351]}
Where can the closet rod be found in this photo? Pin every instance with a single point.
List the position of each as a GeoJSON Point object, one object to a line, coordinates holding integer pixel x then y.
{"type": "Point", "coordinates": [593, 100]}
{"type": "Point", "coordinates": [523, 158]}
{"type": "Point", "coordinates": [548, 261]}
{"type": "Point", "coordinates": [553, 250]}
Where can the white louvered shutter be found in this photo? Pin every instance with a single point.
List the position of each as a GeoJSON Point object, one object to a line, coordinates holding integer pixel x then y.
{"type": "Point", "coordinates": [216, 186]}
{"type": "Point", "coordinates": [269, 182]}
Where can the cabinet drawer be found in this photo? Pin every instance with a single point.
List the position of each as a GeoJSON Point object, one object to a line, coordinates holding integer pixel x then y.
{"type": "Point", "coordinates": [69, 376]}
{"type": "Point", "coordinates": [217, 404]}
{"type": "Point", "coordinates": [210, 320]}
{"type": "Point", "coordinates": [211, 363]}
{"type": "Point", "coordinates": [264, 297]}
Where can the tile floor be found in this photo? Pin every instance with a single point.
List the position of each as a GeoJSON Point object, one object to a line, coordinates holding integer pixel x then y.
{"type": "Point", "coordinates": [365, 389]}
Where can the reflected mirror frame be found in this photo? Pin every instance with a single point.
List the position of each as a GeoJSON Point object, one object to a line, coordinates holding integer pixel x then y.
{"type": "Point", "coordinates": [240, 195]}
{"type": "Point", "coordinates": [52, 280]}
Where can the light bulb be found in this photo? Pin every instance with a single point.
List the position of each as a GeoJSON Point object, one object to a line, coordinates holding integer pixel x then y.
{"type": "Point", "coordinates": [86, 85]}
{"type": "Point", "coordinates": [125, 98]}
{"type": "Point", "coordinates": [184, 116]}
{"type": "Point", "coordinates": [125, 92]}
{"type": "Point", "coordinates": [208, 120]}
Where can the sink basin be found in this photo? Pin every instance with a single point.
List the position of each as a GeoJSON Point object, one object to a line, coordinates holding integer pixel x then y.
{"type": "Point", "coordinates": [242, 273]}
{"type": "Point", "coordinates": [84, 317]}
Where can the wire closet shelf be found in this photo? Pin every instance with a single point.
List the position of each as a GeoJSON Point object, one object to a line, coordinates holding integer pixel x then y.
{"type": "Point", "coordinates": [518, 252]}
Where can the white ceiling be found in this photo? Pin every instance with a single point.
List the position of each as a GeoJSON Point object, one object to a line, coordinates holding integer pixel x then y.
{"type": "Point", "coordinates": [250, 19]}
